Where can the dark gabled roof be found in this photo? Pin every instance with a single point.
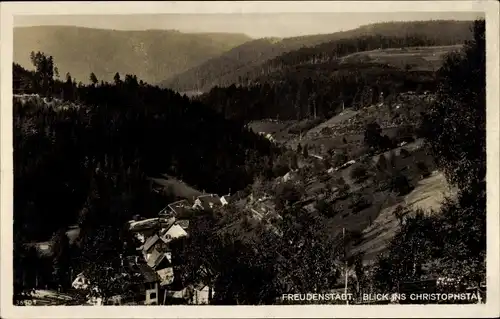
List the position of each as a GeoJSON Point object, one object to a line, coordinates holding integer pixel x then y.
{"type": "Point", "coordinates": [180, 207]}
{"type": "Point", "coordinates": [148, 274]}
{"type": "Point", "coordinates": [145, 273]}
{"type": "Point", "coordinates": [184, 223]}
{"type": "Point", "coordinates": [151, 223]}
{"type": "Point", "coordinates": [150, 242]}
{"type": "Point", "coordinates": [207, 200]}
{"type": "Point", "coordinates": [199, 286]}
{"type": "Point", "coordinates": [156, 258]}
{"type": "Point", "coordinates": [166, 211]}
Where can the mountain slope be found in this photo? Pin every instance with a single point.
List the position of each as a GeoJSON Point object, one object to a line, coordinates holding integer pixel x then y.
{"type": "Point", "coordinates": [241, 64]}
{"type": "Point", "coordinates": [320, 83]}
{"type": "Point", "coordinates": [128, 131]}
{"type": "Point", "coordinates": [152, 55]}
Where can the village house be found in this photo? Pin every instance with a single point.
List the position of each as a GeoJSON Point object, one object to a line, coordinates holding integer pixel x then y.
{"type": "Point", "coordinates": [176, 209]}
{"type": "Point", "coordinates": [147, 290]}
{"type": "Point", "coordinates": [157, 253]}
{"type": "Point", "coordinates": [80, 282]}
{"type": "Point", "coordinates": [144, 229]}
{"type": "Point", "coordinates": [149, 224]}
{"type": "Point", "coordinates": [161, 238]}
{"type": "Point", "coordinates": [201, 294]}
{"type": "Point", "coordinates": [225, 200]}
{"type": "Point", "coordinates": [156, 235]}
{"type": "Point", "coordinates": [195, 294]}
{"type": "Point", "coordinates": [144, 289]}
{"type": "Point", "coordinates": [151, 282]}
{"type": "Point", "coordinates": [207, 201]}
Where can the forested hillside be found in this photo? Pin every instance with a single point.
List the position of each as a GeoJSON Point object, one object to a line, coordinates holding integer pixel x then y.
{"type": "Point", "coordinates": [317, 82]}
{"type": "Point", "coordinates": [241, 64]}
{"type": "Point", "coordinates": [152, 55]}
{"type": "Point", "coordinates": [125, 130]}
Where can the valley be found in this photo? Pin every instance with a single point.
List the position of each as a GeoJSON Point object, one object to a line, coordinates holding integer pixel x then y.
{"type": "Point", "coordinates": [255, 167]}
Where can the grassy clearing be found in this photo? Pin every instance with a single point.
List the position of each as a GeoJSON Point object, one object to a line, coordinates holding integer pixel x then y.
{"type": "Point", "coordinates": [268, 126]}
{"type": "Point", "coordinates": [172, 187]}
{"type": "Point", "coordinates": [417, 58]}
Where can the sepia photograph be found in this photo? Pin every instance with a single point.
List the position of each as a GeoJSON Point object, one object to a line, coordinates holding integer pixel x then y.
{"type": "Point", "coordinates": [231, 158]}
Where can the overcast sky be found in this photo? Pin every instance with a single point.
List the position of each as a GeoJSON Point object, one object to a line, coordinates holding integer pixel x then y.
{"type": "Point", "coordinates": [253, 25]}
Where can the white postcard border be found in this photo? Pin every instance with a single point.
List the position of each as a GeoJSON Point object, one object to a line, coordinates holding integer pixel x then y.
{"type": "Point", "coordinates": [491, 308]}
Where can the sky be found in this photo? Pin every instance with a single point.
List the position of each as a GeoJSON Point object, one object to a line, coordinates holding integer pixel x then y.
{"type": "Point", "coordinates": [255, 25]}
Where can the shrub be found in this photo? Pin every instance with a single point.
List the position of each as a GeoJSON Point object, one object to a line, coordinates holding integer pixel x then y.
{"type": "Point", "coordinates": [280, 169]}
{"type": "Point", "coordinates": [372, 134]}
{"type": "Point", "coordinates": [356, 237]}
{"type": "Point", "coordinates": [373, 138]}
{"type": "Point", "coordinates": [383, 181]}
{"type": "Point", "coordinates": [323, 177]}
{"type": "Point", "coordinates": [358, 203]}
{"type": "Point", "coordinates": [340, 181]}
{"type": "Point", "coordinates": [382, 163]}
{"type": "Point", "coordinates": [399, 212]}
{"type": "Point", "coordinates": [325, 208]}
{"type": "Point", "coordinates": [305, 151]}
{"type": "Point", "coordinates": [391, 159]}
{"type": "Point", "coordinates": [293, 160]}
{"type": "Point", "coordinates": [339, 159]}
{"type": "Point", "coordinates": [400, 184]}
{"type": "Point", "coordinates": [404, 153]}
{"type": "Point", "coordinates": [361, 151]}
{"type": "Point", "coordinates": [327, 131]}
{"type": "Point", "coordinates": [423, 169]}
{"type": "Point", "coordinates": [359, 173]}
{"type": "Point", "coordinates": [385, 143]}
{"type": "Point", "coordinates": [405, 133]}
{"type": "Point", "coordinates": [343, 193]}
{"type": "Point", "coordinates": [318, 166]}
{"type": "Point", "coordinates": [287, 194]}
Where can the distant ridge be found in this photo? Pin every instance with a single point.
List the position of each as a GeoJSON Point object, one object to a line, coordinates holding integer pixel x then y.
{"type": "Point", "coordinates": [152, 55]}
{"type": "Point", "coordinates": [239, 62]}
